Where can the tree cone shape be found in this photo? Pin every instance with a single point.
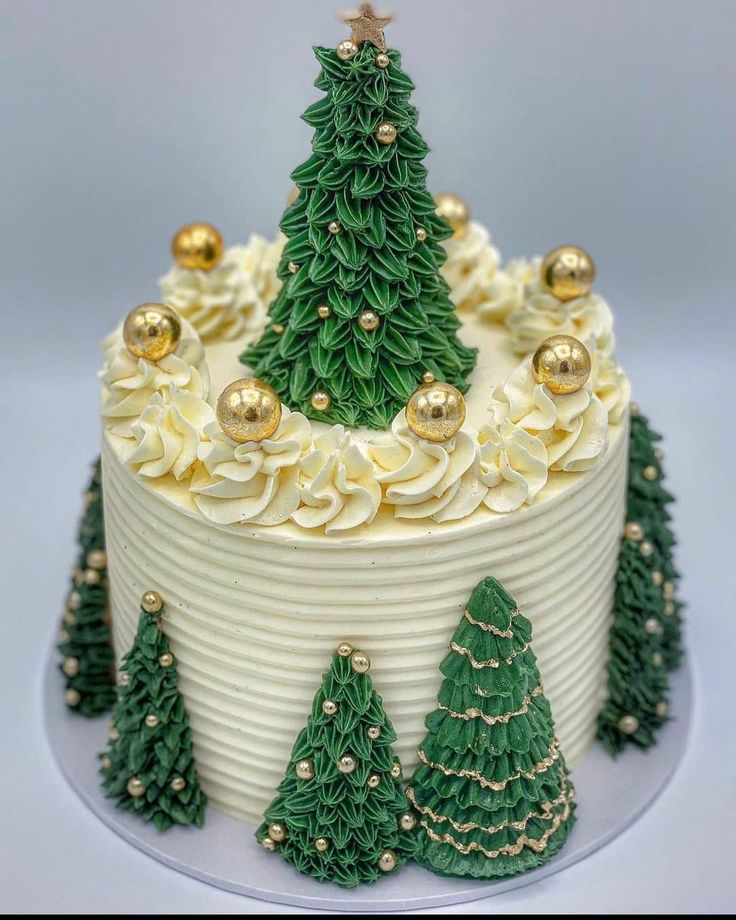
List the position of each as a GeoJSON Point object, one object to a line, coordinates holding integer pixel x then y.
{"type": "Point", "coordinates": [91, 691]}
{"type": "Point", "coordinates": [359, 819]}
{"type": "Point", "coordinates": [492, 792]}
{"type": "Point", "coordinates": [378, 195]}
{"type": "Point", "coordinates": [157, 755]}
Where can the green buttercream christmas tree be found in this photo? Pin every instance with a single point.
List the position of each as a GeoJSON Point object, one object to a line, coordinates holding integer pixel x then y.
{"type": "Point", "coordinates": [637, 677]}
{"type": "Point", "coordinates": [149, 765]}
{"type": "Point", "coordinates": [648, 503]}
{"type": "Point", "coordinates": [340, 813]}
{"type": "Point", "coordinates": [492, 791]}
{"type": "Point", "coordinates": [84, 638]}
{"type": "Point", "coordinates": [363, 311]}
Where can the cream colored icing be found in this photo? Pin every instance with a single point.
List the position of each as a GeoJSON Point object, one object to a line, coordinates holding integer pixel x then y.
{"type": "Point", "coordinates": [168, 433]}
{"type": "Point", "coordinates": [230, 301]}
{"type": "Point", "coordinates": [129, 382]}
{"type": "Point", "coordinates": [573, 427]}
{"type": "Point", "coordinates": [471, 266]}
{"type": "Point", "coordinates": [512, 465]}
{"type": "Point", "coordinates": [256, 482]}
{"type": "Point", "coordinates": [339, 487]}
{"type": "Point", "coordinates": [610, 384]}
{"type": "Point", "coordinates": [541, 315]}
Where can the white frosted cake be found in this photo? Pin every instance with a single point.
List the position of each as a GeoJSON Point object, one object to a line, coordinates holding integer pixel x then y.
{"type": "Point", "coordinates": [271, 552]}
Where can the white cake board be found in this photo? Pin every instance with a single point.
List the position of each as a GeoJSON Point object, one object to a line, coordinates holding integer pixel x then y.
{"type": "Point", "coordinates": [610, 796]}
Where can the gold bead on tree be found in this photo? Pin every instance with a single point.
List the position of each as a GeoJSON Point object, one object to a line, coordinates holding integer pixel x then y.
{"type": "Point", "coordinates": [382, 61]}
{"type": "Point", "coordinates": [374, 732]}
{"type": "Point", "coordinates": [347, 763]}
{"type": "Point", "coordinates": [278, 328]}
{"type": "Point", "coordinates": [344, 650]}
{"type": "Point", "coordinates": [657, 659]}
{"type": "Point", "coordinates": [105, 762]}
{"type": "Point", "coordinates": [369, 320]}
{"type": "Point", "coordinates": [151, 720]}
{"type": "Point", "coordinates": [668, 590]}
{"type": "Point", "coordinates": [334, 227]}
{"type": "Point", "coordinates": [75, 601]}
{"type": "Point", "coordinates": [360, 662]}
{"type": "Point", "coordinates": [268, 844]}
{"type": "Point", "coordinates": [374, 780]}
{"type": "Point", "coordinates": [387, 860]}
{"type": "Point", "coordinates": [396, 770]}
{"type": "Point", "coordinates": [329, 707]}
{"type": "Point", "coordinates": [662, 709]}
{"type": "Point", "coordinates": [657, 578]}
{"type": "Point", "coordinates": [347, 50]}
{"type": "Point", "coordinates": [70, 667]}
{"type": "Point", "coordinates": [562, 364]}
{"type": "Point", "coordinates": [293, 267]}
{"type": "Point", "coordinates": [407, 821]}
{"type": "Point", "coordinates": [455, 211]}
{"type": "Point", "coordinates": [568, 272]}
{"type": "Point", "coordinates": [634, 531]}
{"type": "Point", "coordinates": [112, 733]}
{"type": "Point", "coordinates": [628, 725]}
{"type": "Point", "coordinates": [321, 844]}
{"type": "Point", "coordinates": [73, 697]}
{"type": "Point", "coordinates": [435, 411]}
{"type": "Point", "coordinates": [178, 783]}
{"type": "Point", "coordinates": [248, 410]}
{"type": "Point", "coordinates": [97, 559]}
{"type": "Point", "coordinates": [136, 787]}
{"type": "Point", "coordinates": [91, 577]}
{"type": "Point", "coordinates": [152, 331]}
{"type": "Point", "coordinates": [123, 679]}
{"type": "Point", "coordinates": [386, 133]}
{"type": "Point", "coordinates": [320, 401]}
{"type": "Point", "coordinates": [428, 377]}
{"type": "Point", "coordinates": [669, 609]}
{"type": "Point", "coordinates": [166, 660]}
{"type": "Point", "coordinates": [421, 234]}
{"type": "Point", "coordinates": [304, 769]}
{"type": "Point", "coordinates": [650, 473]}
{"type": "Point", "coordinates": [277, 832]}
{"type": "Point", "coordinates": [323, 311]}
{"type": "Point", "coordinates": [646, 549]}
{"type": "Point", "coordinates": [198, 246]}
{"type": "Point", "coordinates": [652, 627]}
{"type": "Point", "coordinates": [152, 602]}
{"type": "Point", "coordinates": [64, 636]}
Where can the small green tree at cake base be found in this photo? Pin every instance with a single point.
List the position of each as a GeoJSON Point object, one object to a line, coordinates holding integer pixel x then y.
{"type": "Point", "coordinates": [492, 792]}
{"type": "Point", "coordinates": [340, 813]}
{"type": "Point", "coordinates": [363, 312]}
{"type": "Point", "coordinates": [84, 636]}
{"type": "Point", "coordinates": [638, 684]}
{"type": "Point", "coordinates": [149, 764]}
{"type": "Point", "coordinates": [647, 503]}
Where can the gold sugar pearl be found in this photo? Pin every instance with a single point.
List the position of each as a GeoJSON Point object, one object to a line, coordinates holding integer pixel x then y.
{"type": "Point", "coordinates": [293, 267]}
{"type": "Point", "coordinates": [64, 636]}
{"type": "Point", "coordinates": [105, 762]}
{"type": "Point", "coordinates": [123, 679]}
{"type": "Point", "coordinates": [369, 320]}
{"type": "Point", "coordinates": [334, 227]}
{"type": "Point", "coordinates": [662, 709]}
{"type": "Point", "coordinates": [268, 844]}
{"type": "Point", "coordinates": [455, 211]}
{"type": "Point", "coordinates": [304, 769]}
{"type": "Point", "coordinates": [646, 549]}
{"type": "Point", "coordinates": [323, 311]}
{"type": "Point", "coordinates": [382, 61]}
{"type": "Point", "coordinates": [386, 133]}
{"type": "Point", "coordinates": [628, 725]}
{"type": "Point", "coordinates": [407, 821]}
{"type": "Point", "coordinates": [668, 590]}
{"type": "Point", "coordinates": [166, 660]}
{"type": "Point", "coordinates": [374, 732]}
{"type": "Point", "coordinates": [91, 577]}
{"type": "Point", "coordinates": [70, 667]}
{"type": "Point", "coordinates": [396, 770]}
{"type": "Point", "coordinates": [657, 578]}
{"type": "Point", "coordinates": [151, 720]}
{"type": "Point", "coordinates": [73, 697]}
{"type": "Point", "coordinates": [329, 707]}
{"type": "Point", "coordinates": [344, 650]}
{"type": "Point", "coordinates": [650, 473]}
{"type": "Point", "coordinates": [278, 328]}
{"type": "Point", "coordinates": [277, 832]}
{"type": "Point", "coordinates": [321, 844]}
{"type": "Point", "coordinates": [112, 733]}
{"type": "Point", "coordinates": [652, 627]}
{"type": "Point", "coordinates": [75, 600]}
{"type": "Point", "coordinates": [136, 788]}
{"type": "Point", "coordinates": [374, 780]}
{"type": "Point", "coordinates": [347, 763]}
{"type": "Point", "coordinates": [97, 559]}
{"type": "Point", "coordinates": [152, 602]}
{"type": "Point", "coordinates": [320, 401]}
{"type": "Point", "coordinates": [360, 662]}
{"type": "Point", "coordinates": [178, 783]}
{"type": "Point", "coordinates": [634, 531]}
{"type": "Point", "coordinates": [421, 234]}
{"type": "Point", "coordinates": [428, 377]}
{"type": "Point", "coordinates": [657, 659]}
{"type": "Point", "coordinates": [347, 50]}
{"type": "Point", "coordinates": [387, 860]}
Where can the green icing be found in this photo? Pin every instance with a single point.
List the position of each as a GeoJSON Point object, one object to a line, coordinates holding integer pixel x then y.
{"type": "Point", "coordinates": [155, 755]}
{"type": "Point", "coordinates": [492, 791]}
{"type": "Point", "coordinates": [637, 680]}
{"type": "Point", "coordinates": [379, 196]}
{"type": "Point", "coordinates": [358, 820]}
{"type": "Point", "coordinates": [85, 630]}
{"type": "Point", "coordinates": [648, 504]}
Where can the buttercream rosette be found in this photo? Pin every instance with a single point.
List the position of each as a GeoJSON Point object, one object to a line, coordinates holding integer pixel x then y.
{"type": "Point", "coordinates": [541, 315]}
{"type": "Point", "coordinates": [471, 265]}
{"type": "Point", "coordinates": [507, 289]}
{"type": "Point", "coordinates": [231, 300]}
{"type": "Point", "coordinates": [512, 465]}
{"type": "Point", "coordinates": [129, 382]}
{"type": "Point", "coordinates": [610, 384]}
{"type": "Point", "coordinates": [252, 483]}
{"type": "Point", "coordinates": [168, 433]}
{"type": "Point", "coordinates": [425, 479]}
{"type": "Point", "coordinates": [339, 487]}
{"type": "Point", "coordinates": [573, 427]}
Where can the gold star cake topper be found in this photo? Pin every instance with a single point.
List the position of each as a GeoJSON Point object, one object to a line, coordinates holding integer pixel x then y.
{"type": "Point", "coordinates": [367, 27]}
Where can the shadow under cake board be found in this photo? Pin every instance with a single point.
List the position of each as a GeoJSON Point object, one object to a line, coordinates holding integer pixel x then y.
{"type": "Point", "coordinates": [611, 795]}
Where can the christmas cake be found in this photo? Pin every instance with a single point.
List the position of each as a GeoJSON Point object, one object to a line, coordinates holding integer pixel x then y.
{"type": "Point", "coordinates": [333, 437]}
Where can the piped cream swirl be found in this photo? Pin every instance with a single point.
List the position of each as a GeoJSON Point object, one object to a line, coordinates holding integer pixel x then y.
{"type": "Point", "coordinates": [541, 315]}
{"type": "Point", "coordinates": [512, 465]}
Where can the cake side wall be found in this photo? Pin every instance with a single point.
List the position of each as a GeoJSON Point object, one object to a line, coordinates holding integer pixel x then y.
{"type": "Point", "coordinates": [253, 621]}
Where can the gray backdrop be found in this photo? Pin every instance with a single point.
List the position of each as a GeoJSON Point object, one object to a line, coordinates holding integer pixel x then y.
{"type": "Point", "coordinates": [609, 124]}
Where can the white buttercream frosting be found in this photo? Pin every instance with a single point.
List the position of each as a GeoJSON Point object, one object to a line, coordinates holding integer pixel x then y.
{"type": "Point", "coordinates": [541, 315]}
{"type": "Point", "coordinates": [168, 433]}
{"type": "Point", "coordinates": [129, 382]}
{"type": "Point", "coordinates": [512, 465]}
{"type": "Point", "coordinates": [230, 301]}
{"type": "Point", "coordinates": [471, 265]}
{"type": "Point", "coordinates": [573, 427]}
{"type": "Point", "coordinates": [339, 487]}
{"type": "Point", "coordinates": [256, 482]}
{"type": "Point", "coordinates": [425, 479]}
{"type": "Point", "coordinates": [610, 384]}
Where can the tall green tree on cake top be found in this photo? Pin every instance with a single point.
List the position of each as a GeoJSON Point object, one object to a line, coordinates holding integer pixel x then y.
{"type": "Point", "coordinates": [637, 676]}
{"type": "Point", "coordinates": [149, 764]}
{"type": "Point", "coordinates": [647, 504]}
{"type": "Point", "coordinates": [84, 637]}
{"type": "Point", "coordinates": [363, 311]}
{"type": "Point", "coordinates": [492, 792]}
{"type": "Point", "coordinates": [340, 813]}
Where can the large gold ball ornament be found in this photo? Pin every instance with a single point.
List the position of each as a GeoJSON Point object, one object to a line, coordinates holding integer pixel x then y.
{"type": "Point", "coordinates": [248, 410]}
{"type": "Point", "coordinates": [329, 707]}
{"type": "Point", "coordinates": [198, 246]}
{"type": "Point", "coordinates": [634, 531]}
{"type": "Point", "coordinates": [304, 769]}
{"type": "Point", "coordinates": [320, 401]}
{"type": "Point", "coordinates": [277, 832]}
{"type": "Point", "coordinates": [268, 844]}
{"type": "Point", "coordinates": [628, 725]}
{"type": "Point", "coordinates": [344, 650]}
{"type": "Point", "coordinates": [408, 821]}
{"type": "Point", "coordinates": [455, 211]}
{"type": "Point", "coordinates": [347, 763]}
{"type": "Point", "coordinates": [369, 320]}
{"type": "Point", "coordinates": [562, 364]}
{"type": "Point", "coordinates": [387, 860]}
{"type": "Point", "coordinates": [152, 602]}
{"type": "Point", "coordinates": [435, 411]}
{"type": "Point", "coordinates": [568, 272]}
{"type": "Point", "coordinates": [73, 697]}
{"type": "Point", "coordinates": [152, 331]}
{"type": "Point", "coordinates": [178, 783]}
{"type": "Point", "coordinates": [70, 666]}
{"type": "Point", "coordinates": [97, 559]}
{"type": "Point", "coordinates": [386, 133]}
{"type": "Point", "coordinates": [347, 50]}
{"type": "Point", "coordinates": [136, 788]}
{"type": "Point", "coordinates": [360, 662]}
{"type": "Point", "coordinates": [321, 844]}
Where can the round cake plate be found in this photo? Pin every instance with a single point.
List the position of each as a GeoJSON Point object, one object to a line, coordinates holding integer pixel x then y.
{"type": "Point", "coordinates": [611, 794]}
